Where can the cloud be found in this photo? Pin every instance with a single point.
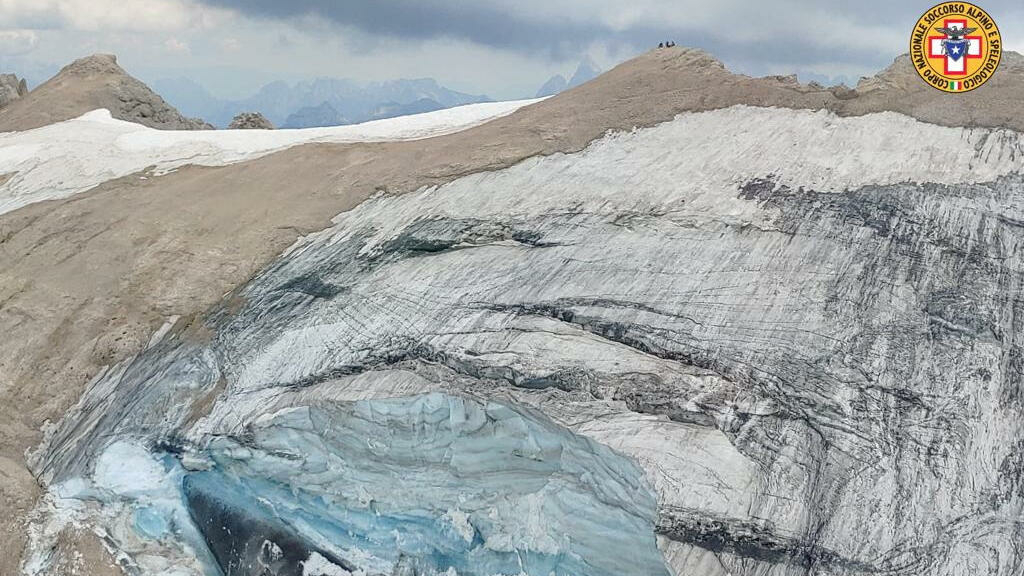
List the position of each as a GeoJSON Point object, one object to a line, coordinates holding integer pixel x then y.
{"type": "Point", "coordinates": [788, 32]}
{"type": "Point", "coordinates": [176, 46]}
{"type": "Point", "coordinates": [109, 15]}
{"type": "Point", "coordinates": [482, 21]}
{"type": "Point", "coordinates": [17, 42]}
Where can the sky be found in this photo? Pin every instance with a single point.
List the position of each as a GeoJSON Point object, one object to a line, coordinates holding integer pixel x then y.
{"type": "Point", "coordinates": [505, 49]}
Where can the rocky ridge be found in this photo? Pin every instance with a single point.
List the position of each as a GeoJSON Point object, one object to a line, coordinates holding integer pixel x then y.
{"type": "Point", "coordinates": [87, 84]}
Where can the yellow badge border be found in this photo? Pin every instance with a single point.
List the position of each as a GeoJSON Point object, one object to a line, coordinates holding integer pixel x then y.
{"type": "Point", "coordinates": [946, 84]}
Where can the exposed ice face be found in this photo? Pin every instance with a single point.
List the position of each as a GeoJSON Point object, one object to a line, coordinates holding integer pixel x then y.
{"type": "Point", "coordinates": [448, 482]}
{"type": "Point", "coordinates": [431, 484]}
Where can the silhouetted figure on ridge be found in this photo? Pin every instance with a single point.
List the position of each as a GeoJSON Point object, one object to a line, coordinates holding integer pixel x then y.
{"type": "Point", "coordinates": [661, 44]}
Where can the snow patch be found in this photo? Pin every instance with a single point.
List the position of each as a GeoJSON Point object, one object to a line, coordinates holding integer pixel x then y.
{"type": "Point", "coordinates": [73, 156]}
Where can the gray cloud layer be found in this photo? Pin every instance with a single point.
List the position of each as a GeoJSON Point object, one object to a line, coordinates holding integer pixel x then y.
{"type": "Point", "coordinates": [792, 32]}
{"type": "Point", "coordinates": [479, 22]}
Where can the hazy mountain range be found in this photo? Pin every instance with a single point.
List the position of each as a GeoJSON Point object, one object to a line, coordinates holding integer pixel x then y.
{"type": "Point", "coordinates": [318, 102]}
{"type": "Point", "coordinates": [336, 101]}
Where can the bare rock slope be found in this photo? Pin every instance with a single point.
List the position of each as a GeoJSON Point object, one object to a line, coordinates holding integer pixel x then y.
{"type": "Point", "coordinates": [857, 353]}
{"type": "Point", "coordinates": [87, 84]}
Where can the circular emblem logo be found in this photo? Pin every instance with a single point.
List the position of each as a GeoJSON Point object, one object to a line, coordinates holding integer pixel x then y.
{"type": "Point", "coordinates": [955, 47]}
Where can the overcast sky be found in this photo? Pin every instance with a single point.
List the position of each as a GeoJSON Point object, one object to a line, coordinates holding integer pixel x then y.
{"type": "Point", "coordinates": [505, 49]}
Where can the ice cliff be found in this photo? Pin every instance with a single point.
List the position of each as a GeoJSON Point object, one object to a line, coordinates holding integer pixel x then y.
{"type": "Point", "coordinates": [769, 341]}
{"type": "Point", "coordinates": [429, 484]}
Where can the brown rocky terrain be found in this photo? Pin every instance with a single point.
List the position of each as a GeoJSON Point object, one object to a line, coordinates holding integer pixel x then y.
{"type": "Point", "coordinates": [88, 84]}
{"type": "Point", "coordinates": [85, 281]}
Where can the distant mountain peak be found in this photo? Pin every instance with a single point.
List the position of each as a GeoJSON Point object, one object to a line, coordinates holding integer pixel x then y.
{"type": "Point", "coordinates": [301, 104]}
{"type": "Point", "coordinates": [586, 71]}
{"type": "Point", "coordinates": [553, 86]}
{"type": "Point", "coordinates": [588, 63]}
{"type": "Point", "coordinates": [315, 117]}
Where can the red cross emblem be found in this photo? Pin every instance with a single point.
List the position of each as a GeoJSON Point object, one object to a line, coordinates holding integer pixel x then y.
{"type": "Point", "coordinates": [954, 66]}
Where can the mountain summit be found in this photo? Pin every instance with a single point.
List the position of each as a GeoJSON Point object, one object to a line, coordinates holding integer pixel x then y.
{"type": "Point", "coordinates": [553, 86]}
{"type": "Point", "coordinates": [89, 83]}
{"type": "Point", "coordinates": [586, 71]}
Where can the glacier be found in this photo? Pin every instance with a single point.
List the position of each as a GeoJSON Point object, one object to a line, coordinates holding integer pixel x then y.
{"type": "Point", "coordinates": [769, 341]}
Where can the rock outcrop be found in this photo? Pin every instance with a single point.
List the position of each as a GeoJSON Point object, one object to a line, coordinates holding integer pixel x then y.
{"type": "Point", "coordinates": [11, 88]}
{"type": "Point", "coordinates": [250, 121]}
{"type": "Point", "coordinates": [88, 84]}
